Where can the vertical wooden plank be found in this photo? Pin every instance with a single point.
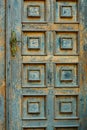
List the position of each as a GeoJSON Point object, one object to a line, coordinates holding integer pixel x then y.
{"type": "Point", "coordinates": [83, 65]}
{"type": "Point", "coordinates": [2, 65]}
{"type": "Point", "coordinates": [15, 90]}
{"type": "Point", "coordinates": [8, 61]}
{"type": "Point", "coordinates": [13, 66]}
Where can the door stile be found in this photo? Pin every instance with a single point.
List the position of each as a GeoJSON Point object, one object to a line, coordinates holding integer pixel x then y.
{"type": "Point", "coordinates": [8, 59]}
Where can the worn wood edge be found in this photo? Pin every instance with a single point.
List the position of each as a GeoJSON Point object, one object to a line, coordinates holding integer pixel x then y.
{"type": "Point", "coordinates": [8, 64]}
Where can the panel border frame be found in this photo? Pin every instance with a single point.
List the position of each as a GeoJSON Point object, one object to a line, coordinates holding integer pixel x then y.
{"type": "Point", "coordinates": [45, 43]}
{"type": "Point", "coordinates": [42, 63]}
{"type": "Point", "coordinates": [78, 18]}
{"type": "Point", "coordinates": [78, 75]}
{"type": "Point", "coordinates": [77, 106]}
{"type": "Point", "coordinates": [36, 22]}
{"type": "Point", "coordinates": [36, 119]}
{"type": "Point", "coordinates": [77, 39]}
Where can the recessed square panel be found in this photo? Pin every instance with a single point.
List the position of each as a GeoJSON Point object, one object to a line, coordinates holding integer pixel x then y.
{"type": "Point", "coordinates": [66, 11]}
{"type": "Point", "coordinates": [66, 106]}
{"type": "Point", "coordinates": [33, 107]}
{"type": "Point", "coordinates": [34, 75]}
{"type": "Point", "coordinates": [66, 43]}
{"type": "Point", "coordinates": [66, 75]}
{"type": "Point", "coordinates": [33, 43]}
{"type": "Point", "coordinates": [33, 11]}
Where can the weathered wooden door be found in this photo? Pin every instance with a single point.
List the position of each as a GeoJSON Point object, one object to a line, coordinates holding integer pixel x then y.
{"type": "Point", "coordinates": [47, 77]}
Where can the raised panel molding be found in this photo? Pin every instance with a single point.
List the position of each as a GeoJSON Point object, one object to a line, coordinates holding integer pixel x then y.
{"type": "Point", "coordinates": [34, 107]}
{"type": "Point", "coordinates": [66, 43]}
{"type": "Point", "coordinates": [34, 11]}
{"type": "Point", "coordinates": [66, 11]}
{"type": "Point", "coordinates": [66, 107]}
{"type": "Point", "coordinates": [34, 75]}
{"type": "Point", "coordinates": [66, 75]}
{"type": "Point", "coordinates": [34, 43]}
{"type": "Point", "coordinates": [50, 68]}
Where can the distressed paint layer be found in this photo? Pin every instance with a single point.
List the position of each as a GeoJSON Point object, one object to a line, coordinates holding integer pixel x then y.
{"type": "Point", "coordinates": [34, 107]}
{"type": "Point", "coordinates": [2, 65]}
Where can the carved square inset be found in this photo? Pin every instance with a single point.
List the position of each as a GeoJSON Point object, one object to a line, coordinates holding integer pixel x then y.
{"type": "Point", "coordinates": [66, 11]}
{"type": "Point", "coordinates": [66, 43]}
{"type": "Point", "coordinates": [33, 11]}
{"type": "Point", "coordinates": [66, 74]}
{"type": "Point", "coordinates": [33, 107]}
{"type": "Point", "coordinates": [34, 75]}
{"type": "Point", "coordinates": [66, 107]}
{"type": "Point", "coordinates": [33, 43]}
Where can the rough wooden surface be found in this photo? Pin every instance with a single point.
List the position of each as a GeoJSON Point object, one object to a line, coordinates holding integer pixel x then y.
{"type": "Point", "coordinates": [2, 65]}
{"type": "Point", "coordinates": [49, 89]}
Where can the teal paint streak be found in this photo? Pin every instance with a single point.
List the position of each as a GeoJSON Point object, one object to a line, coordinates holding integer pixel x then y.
{"type": "Point", "coordinates": [1, 108]}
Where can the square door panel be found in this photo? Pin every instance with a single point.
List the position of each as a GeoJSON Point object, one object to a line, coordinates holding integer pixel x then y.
{"type": "Point", "coordinates": [34, 75]}
{"type": "Point", "coordinates": [66, 75]}
{"type": "Point", "coordinates": [34, 10]}
{"type": "Point", "coordinates": [34, 43]}
{"type": "Point", "coordinates": [67, 128]}
{"type": "Point", "coordinates": [66, 43]}
{"type": "Point", "coordinates": [34, 107]}
{"type": "Point", "coordinates": [66, 10]}
{"type": "Point", "coordinates": [66, 107]}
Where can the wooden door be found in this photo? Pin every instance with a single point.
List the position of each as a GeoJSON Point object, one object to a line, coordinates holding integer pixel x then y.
{"type": "Point", "coordinates": [46, 82]}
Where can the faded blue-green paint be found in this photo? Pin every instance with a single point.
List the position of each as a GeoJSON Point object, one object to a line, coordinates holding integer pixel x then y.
{"type": "Point", "coordinates": [2, 65]}
{"type": "Point", "coordinates": [56, 97]}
